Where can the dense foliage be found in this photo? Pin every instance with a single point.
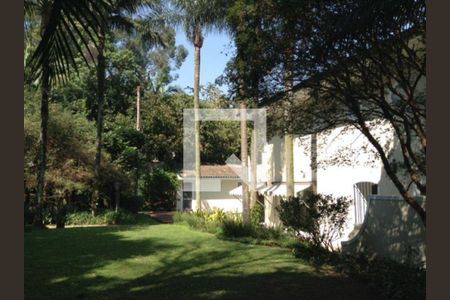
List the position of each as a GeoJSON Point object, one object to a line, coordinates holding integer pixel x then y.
{"type": "Point", "coordinates": [160, 190]}
{"type": "Point", "coordinates": [320, 219]}
{"type": "Point", "coordinates": [131, 160]}
{"type": "Point", "coordinates": [231, 227]}
{"type": "Point", "coordinates": [351, 61]}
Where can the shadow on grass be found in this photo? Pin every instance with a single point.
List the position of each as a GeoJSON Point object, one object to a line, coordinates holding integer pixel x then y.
{"type": "Point", "coordinates": [129, 263]}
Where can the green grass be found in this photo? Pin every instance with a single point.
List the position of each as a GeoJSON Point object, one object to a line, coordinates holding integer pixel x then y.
{"type": "Point", "coordinates": [169, 262]}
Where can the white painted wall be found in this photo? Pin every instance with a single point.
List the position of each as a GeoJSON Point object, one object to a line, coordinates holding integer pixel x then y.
{"type": "Point", "coordinates": [391, 229]}
{"type": "Point", "coordinates": [218, 195]}
{"type": "Point", "coordinates": [344, 157]}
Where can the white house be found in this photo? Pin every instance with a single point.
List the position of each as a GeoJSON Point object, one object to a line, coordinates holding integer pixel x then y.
{"type": "Point", "coordinates": [340, 162]}
{"type": "Point", "coordinates": [217, 181]}
{"type": "Point", "coordinates": [346, 165]}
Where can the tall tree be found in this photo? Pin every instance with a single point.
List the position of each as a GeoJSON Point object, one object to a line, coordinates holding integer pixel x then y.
{"type": "Point", "coordinates": [362, 61]}
{"type": "Point", "coordinates": [119, 18]}
{"type": "Point", "coordinates": [66, 28]}
{"type": "Point", "coordinates": [288, 85]}
{"type": "Point", "coordinates": [198, 17]}
{"type": "Point", "coordinates": [244, 164]}
{"type": "Point", "coordinates": [245, 70]}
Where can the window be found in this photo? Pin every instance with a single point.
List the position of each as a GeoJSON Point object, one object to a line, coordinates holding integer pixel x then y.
{"type": "Point", "coordinates": [374, 189]}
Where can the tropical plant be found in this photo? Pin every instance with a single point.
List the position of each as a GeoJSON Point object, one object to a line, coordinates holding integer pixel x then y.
{"type": "Point", "coordinates": [119, 18]}
{"type": "Point", "coordinates": [197, 18]}
{"type": "Point", "coordinates": [66, 28]}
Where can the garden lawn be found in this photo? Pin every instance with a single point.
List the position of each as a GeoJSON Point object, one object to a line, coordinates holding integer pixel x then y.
{"type": "Point", "coordinates": [169, 262]}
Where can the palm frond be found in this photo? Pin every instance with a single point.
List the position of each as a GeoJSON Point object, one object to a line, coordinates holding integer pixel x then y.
{"type": "Point", "coordinates": [71, 27]}
{"type": "Point", "coordinates": [208, 14]}
{"type": "Point", "coordinates": [121, 23]}
{"type": "Point", "coordinates": [31, 7]}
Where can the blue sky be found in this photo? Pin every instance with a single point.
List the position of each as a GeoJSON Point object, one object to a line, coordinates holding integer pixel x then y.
{"type": "Point", "coordinates": [216, 51]}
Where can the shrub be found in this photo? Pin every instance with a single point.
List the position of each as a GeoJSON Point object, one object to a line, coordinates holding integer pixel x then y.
{"type": "Point", "coordinates": [83, 218]}
{"type": "Point", "coordinates": [200, 220]}
{"type": "Point", "coordinates": [132, 203]}
{"type": "Point", "coordinates": [257, 214]}
{"type": "Point", "coordinates": [178, 217]}
{"type": "Point", "coordinates": [108, 217]}
{"type": "Point", "coordinates": [29, 214]}
{"type": "Point", "coordinates": [320, 219]}
{"type": "Point", "coordinates": [269, 233]}
{"type": "Point", "coordinates": [124, 218]}
{"type": "Point", "coordinates": [218, 215]}
{"type": "Point", "coordinates": [160, 189]}
{"type": "Point", "coordinates": [391, 279]}
{"type": "Point", "coordinates": [237, 228]}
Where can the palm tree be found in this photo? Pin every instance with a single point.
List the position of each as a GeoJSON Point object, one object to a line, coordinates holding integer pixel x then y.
{"type": "Point", "coordinates": [244, 163]}
{"type": "Point", "coordinates": [148, 32]}
{"type": "Point", "coordinates": [198, 17]}
{"type": "Point", "coordinates": [119, 18]}
{"type": "Point", "coordinates": [67, 28]}
{"type": "Point", "coordinates": [288, 85]}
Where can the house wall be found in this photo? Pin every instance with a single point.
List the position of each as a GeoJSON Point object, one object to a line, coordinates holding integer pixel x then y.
{"type": "Point", "coordinates": [218, 196]}
{"type": "Point", "coordinates": [344, 157]}
{"type": "Point", "coordinates": [391, 229]}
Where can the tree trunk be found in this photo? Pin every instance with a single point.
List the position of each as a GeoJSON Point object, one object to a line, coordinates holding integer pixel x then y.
{"type": "Point", "coordinates": [100, 102]}
{"type": "Point", "coordinates": [244, 165]}
{"type": "Point", "coordinates": [253, 169]}
{"type": "Point", "coordinates": [138, 108]}
{"type": "Point", "coordinates": [117, 195]}
{"type": "Point", "coordinates": [314, 162]}
{"type": "Point", "coordinates": [288, 138]}
{"type": "Point", "coordinates": [289, 164]}
{"type": "Point", "coordinates": [137, 183]}
{"type": "Point", "coordinates": [288, 142]}
{"type": "Point", "coordinates": [391, 172]}
{"type": "Point", "coordinates": [42, 160]}
{"type": "Point", "coordinates": [198, 43]}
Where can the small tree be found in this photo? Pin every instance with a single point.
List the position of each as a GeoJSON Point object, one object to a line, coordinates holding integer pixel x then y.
{"type": "Point", "coordinates": [318, 218]}
{"type": "Point", "coordinates": [160, 189]}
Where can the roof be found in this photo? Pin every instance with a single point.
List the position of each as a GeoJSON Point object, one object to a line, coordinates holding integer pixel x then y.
{"type": "Point", "coordinates": [277, 189]}
{"type": "Point", "coordinates": [215, 171]}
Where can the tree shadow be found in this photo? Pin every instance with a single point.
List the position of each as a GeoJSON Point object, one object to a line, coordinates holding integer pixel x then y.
{"type": "Point", "coordinates": [79, 264]}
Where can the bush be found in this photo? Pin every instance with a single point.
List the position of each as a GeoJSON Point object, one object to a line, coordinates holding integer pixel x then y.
{"type": "Point", "coordinates": [257, 214]}
{"type": "Point", "coordinates": [160, 189]}
{"type": "Point", "coordinates": [318, 218]}
{"type": "Point", "coordinates": [393, 280]}
{"type": "Point", "coordinates": [269, 233]}
{"type": "Point", "coordinates": [231, 226]}
{"type": "Point", "coordinates": [200, 220]}
{"type": "Point", "coordinates": [237, 228]}
{"type": "Point", "coordinates": [108, 217]}
{"type": "Point", "coordinates": [83, 218]}
{"type": "Point", "coordinates": [131, 203]}
{"type": "Point", "coordinates": [29, 214]}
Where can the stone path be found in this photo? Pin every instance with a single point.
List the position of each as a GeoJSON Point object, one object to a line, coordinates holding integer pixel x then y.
{"type": "Point", "coordinates": [165, 217]}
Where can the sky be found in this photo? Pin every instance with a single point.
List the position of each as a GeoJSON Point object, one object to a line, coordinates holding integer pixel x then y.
{"type": "Point", "coordinates": [216, 51]}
